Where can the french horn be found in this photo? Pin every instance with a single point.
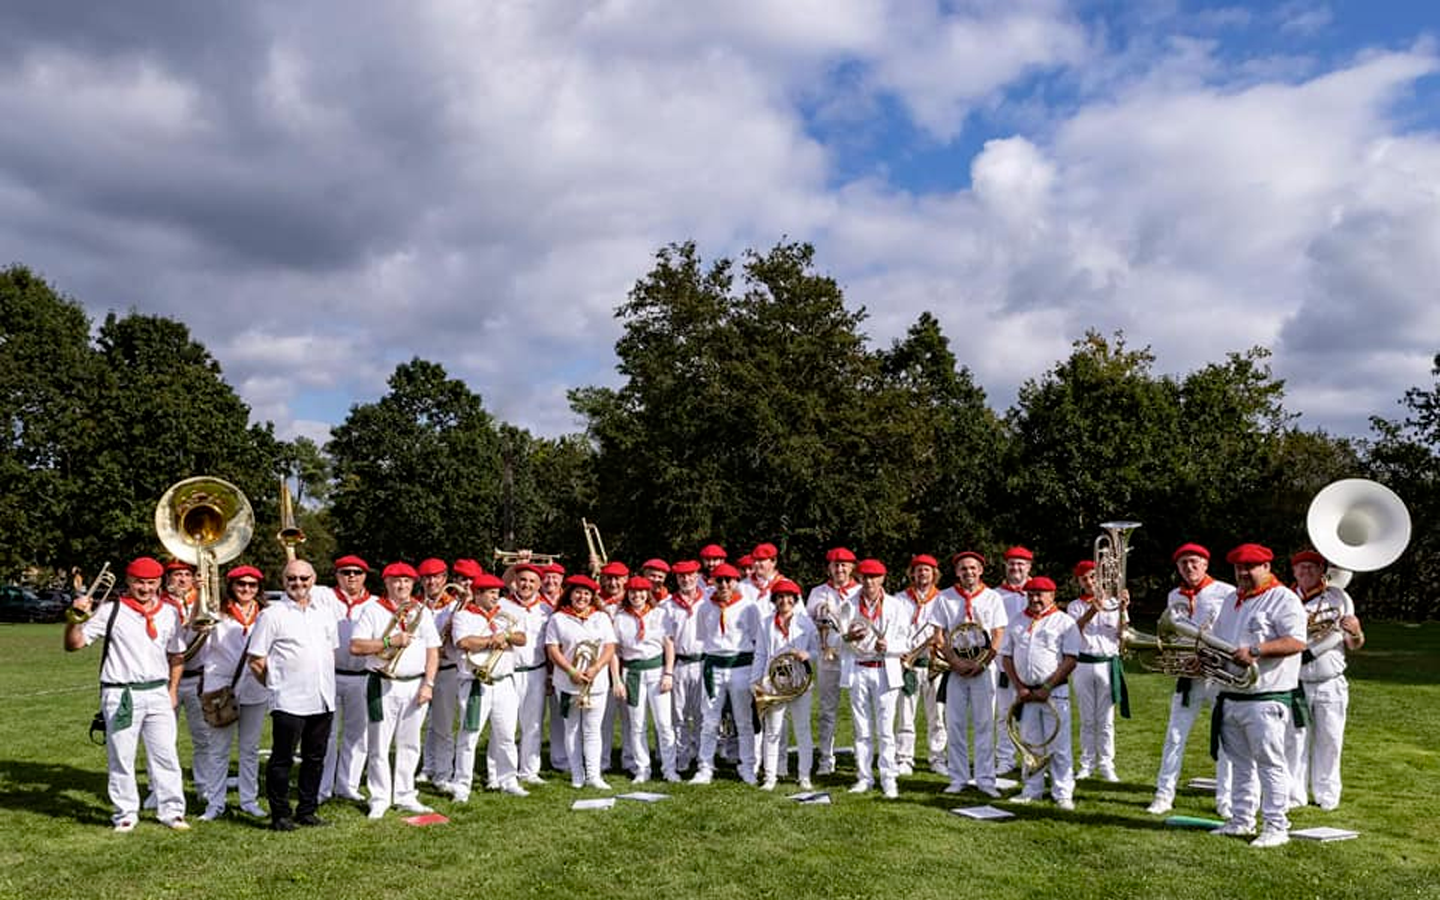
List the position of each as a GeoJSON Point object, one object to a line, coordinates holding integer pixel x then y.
{"type": "Point", "coordinates": [786, 678]}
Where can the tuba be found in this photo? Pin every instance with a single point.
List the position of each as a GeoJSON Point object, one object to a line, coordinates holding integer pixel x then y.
{"type": "Point", "coordinates": [786, 678]}
{"type": "Point", "coordinates": [204, 521]}
{"type": "Point", "coordinates": [483, 662]}
{"type": "Point", "coordinates": [1358, 525]}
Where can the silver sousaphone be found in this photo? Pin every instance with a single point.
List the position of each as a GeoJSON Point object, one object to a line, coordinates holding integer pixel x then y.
{"type": "Point", "coordinates": [1359, 526]}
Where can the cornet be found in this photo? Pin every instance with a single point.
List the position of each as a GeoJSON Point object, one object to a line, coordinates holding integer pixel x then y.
{"type": "Point", "coordinates": [406, 617]}
{"type": "Point", "coordinates": [586, 652]}
{"type": "Point", "coordinates": [483, 662]}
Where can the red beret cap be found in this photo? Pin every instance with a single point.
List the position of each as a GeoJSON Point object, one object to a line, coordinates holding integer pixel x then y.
{"type": "Point", "coordinates": [244, 571]}
{"type": "Point", "coordinates": [176, 565]}
{"type": "Point", "coordinates": [352, 562]}
{"type": "Point", "coordinates": [784, 586]}
{"type": "Point", "coordinates": [469, 568]}
{"type": "Point", "coordinates": [871, 567]}
{"type": "Point", "coordinates": [713, 551]}
{"type": "Point", "coordinates": [433, 566]}
{"type": "Point", "coordinates": [660, 564]}
{"type": "Point", "coordinates": [552, 569]}
{"type": "Point", "coordinates": [639, 583]}
{"type": "Point", "coordinates": [765, 551]}
{"type": "Point", "coordinates": [145, 567]}
{"type": "Point", "coordinates": [485, 581]}
{"type": "Point", "coordinates": [581, 581]}
{"type": "Point", "coordinates": [1309, 556]}
{"type": "Point", "coordinates": [529, 567]}
{"type": "Point", "coordinates": [925, 559]}
{"type": "Point", "coordinates": [725, 570]}
{"type": "Point", "coordinates": [1189, 550]}
{"type": "Point", "coordinates": [966, 554]}
{"type": "Point", "coordinates": [1018, 552]}
{"type": "Point", "coordinates": [1040, 583]}
{"type": "Point", "coordinates": [746, 560]}
{"type": "Point", "coordinates": [1249, 555]}
{"type": "Point", "coordinates": [685, 567]}
{"type": "Point", "coordinates": [399, 570]}
{"type": "Point", "coordinates": [615, 568]}
{"type": "Point", "coordinates": [840, 554]}
{"type": "Point", "coordinates": [1083, 566]}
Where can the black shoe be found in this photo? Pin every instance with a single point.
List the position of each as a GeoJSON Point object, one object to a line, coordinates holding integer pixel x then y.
{"type": "Point", "coordinates": [283, 824]}
{"type": "Point", "coordinates": [310, 820]}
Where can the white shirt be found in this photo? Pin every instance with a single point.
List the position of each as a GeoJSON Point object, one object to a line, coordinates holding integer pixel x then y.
{"type": "Point", "coordinates": [1205, 605]}
{"type": "Point", "coordinates": [1330, 660]}
{"type": "Point", "coordinates": [469, 621]}
{"type": "Point", "coordinates": [536, 616]}
{"type": "Point", "coordinates": [567, 631]}
{"type": "Point", "coordinates": [1015, 603]}
{"type": "Point", "coordinates": [221, 656]}
{"type": "Point", "coordinates": [627, 633]}
{"type": "Point", "coordinates": [985, 608]}
{"type": "Point", "coordinates": [1274, 613]}
{"type": "Point", "coordinates": [345, 616]}
{"type": "Point", "coordinates": [920, 613]}
{"type": "Point", "coordinates": [1036, 647]}
{"type": "Point", "coordinates": [802, 637]}
{"type": "Point", "coordinates": [298, 644]}
{"type": "Point", "coordinates": [375, 618]}
{"type": "Point", "coordinates": [731, 630]}
{"type": "Point", "coordinates": [134, 655]}
{"type": "Point", "coordinates": [827, 599]}
{"type": "Point", "coordinates": [891, 623]}
{"type": "Point", "coordinates": [1101, 635]}
{"type": "Point", "coordinates": [682, 622]}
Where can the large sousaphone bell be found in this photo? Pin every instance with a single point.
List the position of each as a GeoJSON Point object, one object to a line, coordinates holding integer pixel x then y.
{"type": "Point", "coordinates": [1358, 525]}
{"type": "Point", "coordinates": [204, 521]}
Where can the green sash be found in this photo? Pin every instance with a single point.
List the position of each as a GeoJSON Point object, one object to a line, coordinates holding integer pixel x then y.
{"type": "Point", "coordinates": [1119, 690]}
{"type": "Point", "coordinates": [1294, 698]}
{"type": "Point", "coordinates": [715, 661]}
{"type": "Point", "coordinates": [124, 715]}
{"type": "Point", "coordinates": [633, 668]}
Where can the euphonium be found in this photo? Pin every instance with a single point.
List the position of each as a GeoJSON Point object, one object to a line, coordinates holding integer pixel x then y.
{"type": "Point", "coordinates": [406, 617]}
{"type": "Point", "coordinates": [1213, 658]}
{"type": "Point", "coordinates": [483, 662]}
{"type": "Point", "coordinates": [1111, 548]}
{"type": "Point", "coordinates": [204, 521]}
{"type": "Point", "coordinates": [586, 652]}
{"type": "Point", "coordinates": [786, 678]}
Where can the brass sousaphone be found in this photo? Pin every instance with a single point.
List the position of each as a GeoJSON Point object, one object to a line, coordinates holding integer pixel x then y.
{"type": "Point", "coordinates": [204, 521]}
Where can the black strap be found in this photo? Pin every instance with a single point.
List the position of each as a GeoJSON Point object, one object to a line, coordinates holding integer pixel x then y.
{"type": "Point", "coordinates": [240, 666]}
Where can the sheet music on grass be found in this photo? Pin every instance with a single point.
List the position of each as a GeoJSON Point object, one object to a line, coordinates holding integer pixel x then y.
{"type": "Point", "coordinates": [983, 812]}
{"type": "Point", "coordinates": [642, 796]}
{"type": "Point", "coordinates": [819, 798]}
{"type": "Point", "coordinates": [1325, 833]}
{"type": "Point", "coordinates": [596, 803]}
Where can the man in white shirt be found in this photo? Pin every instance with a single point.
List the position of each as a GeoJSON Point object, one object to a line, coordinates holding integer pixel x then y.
{"type": "Point", "coordinates": [530, 676]}
{"type": "Point", "coordinates": [1265, 622]}
{"type": "Point", "coordinates": [1099, 679]}
{"type": "Point", "coordinates": [920, 689]}
{"type": "Point", "coordinates": [437, 756]}
{"type": "Point", "coordinates": [1018, 561]}
{"type": "Point", "coordinates": [345, 755]}
{"type": "Point", "coordinates": [139, 681]}
{"type": "Point", "coordinates": [1039, 652]}
{"type": "Point", "coordinates": [292, 652]}
{"type": "Point", "coordinates": [823, 607]}
{"type": "Point", "coordinates": [729, 626]}
{"type": "Point", "coordinates": [876, 627]}
{"type": "Point", "coordinates": [487, 629]}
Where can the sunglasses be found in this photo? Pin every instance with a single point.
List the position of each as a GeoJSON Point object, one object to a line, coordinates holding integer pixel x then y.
{"type": "Point", "coordinates": [350, 572]}
{"type": "Point", "coordinates": [247, 584]}
{"type": "Point", "coordinates": [299, 578]}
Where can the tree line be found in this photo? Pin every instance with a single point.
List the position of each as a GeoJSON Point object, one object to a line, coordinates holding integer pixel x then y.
{"type": "Point", "coordinates": [753, 407]}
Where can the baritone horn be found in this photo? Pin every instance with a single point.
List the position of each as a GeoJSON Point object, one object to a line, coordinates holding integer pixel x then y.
{"type": "Point", "coordinates": [586, 652]}
{"type": "Point", "coordinates": [483, 662]}
{"type": "Point", "coordinates": [406, 617]}
{"type": "Point", "coordinates": [204, 521]}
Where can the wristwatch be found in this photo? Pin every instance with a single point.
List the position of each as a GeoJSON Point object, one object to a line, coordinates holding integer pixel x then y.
{"type": "Point", "coordinates": [1255, 651]}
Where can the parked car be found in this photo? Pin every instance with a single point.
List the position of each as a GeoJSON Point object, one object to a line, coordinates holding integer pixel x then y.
{"type": "Point", "coordinates": [20, 604]}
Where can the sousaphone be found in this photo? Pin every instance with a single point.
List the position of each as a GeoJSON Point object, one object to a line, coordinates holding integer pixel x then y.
{"type": "Point", "coordinates": [1358, 525]}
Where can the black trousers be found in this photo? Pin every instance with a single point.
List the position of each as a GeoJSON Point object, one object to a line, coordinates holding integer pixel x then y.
{"type": "Point", "coordinates": [312, 733]}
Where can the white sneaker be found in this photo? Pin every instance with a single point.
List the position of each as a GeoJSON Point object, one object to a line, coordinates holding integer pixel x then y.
{"type": "Point", "coordinates": [1329, 805]}
{"type": "Point", "coordinates": [1269, 838]}
{"type": "Point", "coordinates": [212, 813]}
{"type": "Point", "coordinates": [125, 826]}
{"type": "Point", "coordinates": [422, 778]}
{"type": "Point", "coordinates": [1066, 804]}
{"type": "Point", "coordinates": [906, 769]}
{"type": "Point", "coordinates": [702, 776]}
{"type": "Point", "coordinates": [860, 786]}
{"type": "Point", "coordinates": [414, 806]}
{"type": "Point", "coordinates": [462, 796]}
{"type": "Point", "coordinates": [1234, 829]}
{"type": "Point", "coordinates": [748, 777]}
{"type": "Point", "coordinates": [376, 812]}
{"type": "Point", "coordinates": [768, 784]}
{"type": "Point", "coordinates": [672, 777]}
{"type": "Point", "coordinates": [446, 787]}
{"type": "Point", "coordinates": [805, 785]}
{"type": "Point", "coordinates": [954, 787]}
{"type": "Point", "coordinates": [176, 824]}
{"type": "Point", "coordinates": [1082, 773]}
{"type": "Point", "coordinates": [641, 777]}
{"type": "Point", "coordinates": [826, 767]}
{"type": "Point", "coordinates": [889, 788]}
{"type": "Point", "coordinates": [1159, 807]}
{"type": "Point", "coordinates": [989, 792]}
{"type": "Point", "coordinates": [598, 783]}
{"type": "Point", "coordinates": [1024, 798]}
{"type": "Point", "coordinates": [514, 789]}
{"type": "Point", "coordinates": [254, 809]}
{"type": "Point", "coordinates": [1110, 776]}
{"type": "Point", "coordinates": [533, 779]}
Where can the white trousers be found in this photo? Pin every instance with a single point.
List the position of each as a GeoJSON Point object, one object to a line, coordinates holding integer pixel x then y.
{"type": "Point", "coordinates": [935, 736]}
{"type": "Point", "coordinates": [582, 739]}
{"type": "Point", "coordinates": [530, 694]}
{"type": "Point", "coordinates": [1177, 733]}
{"type": "Point", "coordinates": [1004, 749]}
{"type": "Point", "coordinates": [1253, 733]}
{"type": "Point", "coordinates": [1313, 752]}
{"type": "Point", "coordinates": [970, 703]}
{"type": "Point", "coordinates": [438, 757]}
{"type": "Point", "coordinates": [349, 736]}
{"type": "Point", "coordinates": [247, 728]}
{"type": "Point", "coordinates": [200, 732]}
{"type": "Point", "coordinates": [635, 738]}
{"type": "Point", "coordinates": [797, 712]}
{"type": "Point", "coordinates": [735, 684]}
{"type": "Point", "coordinates": [152, 720]}
{"type": "Point", "coordinates": [401, 726]}
{"type": "Point", "coordinates": [607, 728]}
{"type": "Point", "coordinates": [873, 709]}
{"type": "Point", "coordinates": [1036, 721]}
{"type": "Point", "coordinates": [827, 691]}
{"type": "Point", "coordinates": [1090, 690]}
{"type": "Point", "coordinates": [499, 706]}
{"type": "Point", "coordinates": [687, 711]}
{"type": "Point", "coordinates": [559, 759]}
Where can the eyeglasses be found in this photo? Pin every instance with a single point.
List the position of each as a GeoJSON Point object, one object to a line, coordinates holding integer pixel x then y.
{"type": "Point", "coordinates": [349, 573]}
{"type": "Point", "coordinates": [249, 585]}
{"type": "Point", "coordinates": [289, 578]}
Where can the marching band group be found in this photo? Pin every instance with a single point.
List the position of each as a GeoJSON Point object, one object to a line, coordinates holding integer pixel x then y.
{"type": "Point", "coordinates": [400, 686]}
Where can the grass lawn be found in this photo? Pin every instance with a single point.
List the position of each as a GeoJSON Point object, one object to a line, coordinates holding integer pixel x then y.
{"type": "Point", "coordinates": [727, 839]}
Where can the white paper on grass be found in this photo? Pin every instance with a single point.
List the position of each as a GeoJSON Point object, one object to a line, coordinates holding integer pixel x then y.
{"type": "Point", "coordinates": [983, 812]}
{"type": "Point", "coordinates": [819, 797]}
{"type": "Point", "coordinates": [642, 796]}
{"type": "Point", "coordinates": [1325, 833]}
{"type": "Point", "coordinates": [1001, 784]}
{"type": "Point", "coordinates": [597, 803]}
{"type": "Point", "coordinates": [1201, 784]}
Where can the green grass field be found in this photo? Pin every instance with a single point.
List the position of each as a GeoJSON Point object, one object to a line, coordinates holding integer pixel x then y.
{"type": "Point", "coordinates": [727, 839]}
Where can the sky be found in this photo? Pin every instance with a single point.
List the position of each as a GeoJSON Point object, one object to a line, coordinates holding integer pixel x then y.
{"type": "Point", "coordinates": [323, 190]}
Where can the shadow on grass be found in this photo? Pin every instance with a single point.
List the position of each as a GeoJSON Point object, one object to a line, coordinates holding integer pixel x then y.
{"type": "Point", "coordinates": [54, 789]}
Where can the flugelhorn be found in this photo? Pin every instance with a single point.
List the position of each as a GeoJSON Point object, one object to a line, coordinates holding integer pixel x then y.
{"type": "Point", "coordinates": [507, 558]}
{"type": "Point", "coordinates": [786, 678]}
{"type": "Point", "coordinates": [204, 521]}
{"type": "Point", "coordinates": [106, 580]}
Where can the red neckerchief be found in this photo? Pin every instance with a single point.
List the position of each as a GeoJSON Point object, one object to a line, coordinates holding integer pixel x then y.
{"type": "Point", "coordinates": [527, 606]}
{"type": "Point", "coordinates": [1035, 620]}
{"type": "Point", "coordinates": [920, 602]}
{"type": "Point", "coordinates": [784, 625]}
{"type": "Point", "coordinates": [879, 608]}
{"type": "Point", "coordinates": [238, 615]}
{"type": "Point", "coordinates": [639, 620]}
{"type": "Point", "coordinates": [844, 589]}
{"type": "Point", "coordinates": [1307, 596]}
{"type": "Point", "coordinates": [603, 600]}
{"type": "Point", "coordinates": [552, 602]}
{"type": "Point", "coordinates": [168, 598]}
{"type": "Point", "coordinates": [662, 593]}
{"type": "Point", "coordinates": [1189, 593]}
{"type": "Point", "coordinates": [735, 597]}
{"type": "Point", "coordinates": [1269, 582]}
{"type": "Point", "coordinates": [969, 606]}
{"type": "Point", "coordinates": [572, 611]}
{"type": "Point", "coordinates": [687, 603]}
{"type": "Point", "coordinates": [147, 611]}
{"type": "Point", "coordinates": [389, 606]}
{"type": "Point", "coordinates": [350, 605]}
{"type": "Point", "coordinates": [1086, 598]}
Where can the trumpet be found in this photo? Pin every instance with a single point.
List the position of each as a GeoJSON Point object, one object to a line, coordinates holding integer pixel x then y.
{"type": "Point", "coordinates": [105, 580]}
{"type": "Point", "coordinates": [786, 679]}
{"type": "Point", "coordinates": [508, 558]}
{"type": "Point", "coordinates": [586, 652]}
{"type": "Point", "coordinates": [406, 617]}
{"type": "Point", "coordinates": [595, 545]}
{"type": "Point", "coordinates": [483, 662]}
